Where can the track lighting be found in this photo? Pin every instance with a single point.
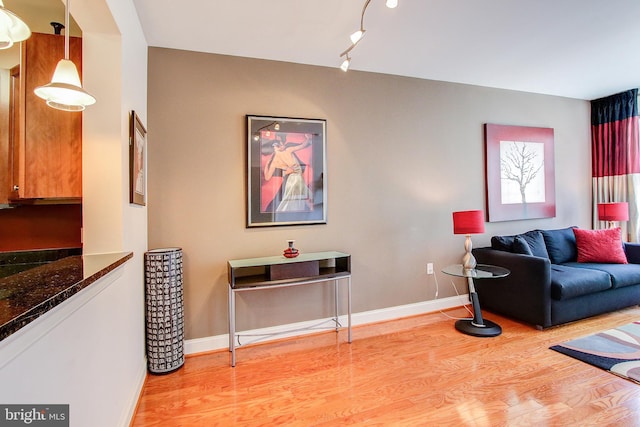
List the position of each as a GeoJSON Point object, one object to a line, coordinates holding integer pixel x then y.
{"type": "Point", "coordinates": [357, 36]}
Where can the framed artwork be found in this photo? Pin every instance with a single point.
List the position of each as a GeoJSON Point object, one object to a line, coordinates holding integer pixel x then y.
{"type": "Point", "coordinates": [286, 171]}
{"type": "Point", "coordinates": [137, 160]}
{"type": "Point", "coordinates": [520, 172]}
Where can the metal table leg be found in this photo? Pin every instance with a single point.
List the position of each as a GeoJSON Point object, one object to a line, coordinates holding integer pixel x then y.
{"type": "Point", "coordinates": [349, 308]}
{"type": "Point", "coordinates": [232, 325]}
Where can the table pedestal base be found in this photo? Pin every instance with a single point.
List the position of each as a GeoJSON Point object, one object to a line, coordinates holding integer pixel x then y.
{"type": "Point", "coordinates": [477, 327]}
{"type": "Point", "coordinates": [489, 329]}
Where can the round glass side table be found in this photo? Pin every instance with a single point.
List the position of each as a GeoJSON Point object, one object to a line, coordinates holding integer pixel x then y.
{"type": "Point", "coordinates": [477, 327]}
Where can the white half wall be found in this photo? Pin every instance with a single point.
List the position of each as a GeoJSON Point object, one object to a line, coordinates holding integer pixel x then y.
{"type": "Point", "coordinates": [79, 354]}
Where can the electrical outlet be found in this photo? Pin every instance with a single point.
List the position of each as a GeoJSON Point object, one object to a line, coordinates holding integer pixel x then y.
{"type": "Point", "coordinates": [429, 268]}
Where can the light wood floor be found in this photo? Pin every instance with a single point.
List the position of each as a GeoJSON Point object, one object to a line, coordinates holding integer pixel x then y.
{"type": "Point", "coordinates": [413, 371]}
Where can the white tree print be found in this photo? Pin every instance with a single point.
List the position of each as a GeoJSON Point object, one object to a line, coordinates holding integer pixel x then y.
{"type": "Point", "coordinates": [522, 172]}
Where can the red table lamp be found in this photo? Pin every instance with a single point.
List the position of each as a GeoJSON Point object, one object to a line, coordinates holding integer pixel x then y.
{"type": "Point", "coordinates": [612, 212]}
{"type": "Point", "coordinates": [468, 222]}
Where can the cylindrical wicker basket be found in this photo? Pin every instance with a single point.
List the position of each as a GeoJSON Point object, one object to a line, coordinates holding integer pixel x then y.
{"type": "Point", "coordinates": [164, 310]}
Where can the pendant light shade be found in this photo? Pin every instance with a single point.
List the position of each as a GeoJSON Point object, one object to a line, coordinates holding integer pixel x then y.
{"type": "Point", "coordinates": [65, 91]}
{"type": "Point", "coordinates": [12, 29]}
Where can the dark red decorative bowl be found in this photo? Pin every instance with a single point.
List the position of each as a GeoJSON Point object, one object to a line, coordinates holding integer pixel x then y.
{"type": "Point", "coordinates": [291, 253]}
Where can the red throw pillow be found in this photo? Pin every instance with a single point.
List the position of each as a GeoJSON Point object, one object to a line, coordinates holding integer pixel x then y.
{"type": "Point", "coordinates": [603, 246]}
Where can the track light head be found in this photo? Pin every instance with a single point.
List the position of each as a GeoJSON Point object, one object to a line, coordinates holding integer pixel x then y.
{"type": "Point", "coordinates": [345, 64]}
{"type": "Point", "coordinates": [355, 37]}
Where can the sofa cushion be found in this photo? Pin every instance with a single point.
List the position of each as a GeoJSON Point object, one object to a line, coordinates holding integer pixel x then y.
{"type": "Point", "coordinates": [621, 274]}
{"type": "Point", "coordinates": [632, 251]}
{"type": "Point", "coordinates": [529, 243]}
{"type": "Point", "coordinates": [536, 243]}
{"type": "Point", "coordinates": [561, 245]}
{"type": "Point", "coordinates": [570, 282]}
{"type": "Point", "coordinates": [601, 246]}
{"type": "Point", "coordinates": [502, 243]}
{"type": "Point", "coordinates": [520, 246]}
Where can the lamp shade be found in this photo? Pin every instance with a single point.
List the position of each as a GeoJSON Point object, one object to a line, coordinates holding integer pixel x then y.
{"type": "Point", "coordinates": [12, 28]}
{"type": "Point", "coordinates": [345, 64]}
{"type": "Point", "coordinates": [355, 37]}
{"type": "Point", "coordinates": [65, 91]}
{"type": "Point", "coordinates": [468, 222]}
{"type": "Point", "coordinates": [618, 211]}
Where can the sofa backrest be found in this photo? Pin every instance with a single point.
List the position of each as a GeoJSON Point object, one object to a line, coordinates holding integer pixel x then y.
{"type": "Point", "coordinates": [558, 245]}
{"type": "Point", "coordinates": [561, 245]}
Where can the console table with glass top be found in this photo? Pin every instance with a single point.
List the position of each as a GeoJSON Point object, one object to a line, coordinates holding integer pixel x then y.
{"type": "Point", "coordinates": [478, 327]}
{"type": "Point", "coordinates": [277, 271]}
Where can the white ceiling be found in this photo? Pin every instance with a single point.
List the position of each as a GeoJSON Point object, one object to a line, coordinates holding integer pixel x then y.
{"type": "Point", "coordinates": [582, 49]}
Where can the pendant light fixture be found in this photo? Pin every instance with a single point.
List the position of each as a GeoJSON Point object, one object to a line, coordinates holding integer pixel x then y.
{"type": "Point", "coordinates": [65, 91]}
{"type": "Point", "coordinates": [12, 29]}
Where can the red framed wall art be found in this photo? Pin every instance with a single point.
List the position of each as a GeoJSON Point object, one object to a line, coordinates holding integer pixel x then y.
{"type": "Point", "coordinates": [520, 172]}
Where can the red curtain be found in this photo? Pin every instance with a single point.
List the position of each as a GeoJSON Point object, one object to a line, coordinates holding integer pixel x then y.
{"type": "Point", "coordinates": [615, 148]}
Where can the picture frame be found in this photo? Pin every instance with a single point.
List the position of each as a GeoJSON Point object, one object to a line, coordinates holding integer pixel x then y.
{"type": "Point", "coordinates": [520, 172]}
{"type": "Point", "coordinates": [137, 160]}
{"type": "Point", "coordinates": [286, 178]}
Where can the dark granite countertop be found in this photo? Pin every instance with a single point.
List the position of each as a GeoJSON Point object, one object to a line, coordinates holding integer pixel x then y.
{"type": "Point", "coordinates": [26, 295]}
{"type": "Point", "coordinates": [15, 262]}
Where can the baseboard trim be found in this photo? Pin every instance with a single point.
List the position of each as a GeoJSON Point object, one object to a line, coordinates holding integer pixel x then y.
{"type": "Point", "coordinates": [217, 342]}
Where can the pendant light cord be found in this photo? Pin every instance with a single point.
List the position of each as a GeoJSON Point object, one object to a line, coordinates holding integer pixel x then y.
{"type": "Point", "coordinates": [66, 31]}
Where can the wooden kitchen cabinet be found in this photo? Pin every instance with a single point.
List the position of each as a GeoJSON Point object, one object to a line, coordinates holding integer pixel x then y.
{"type": "Point", "coordinates": [45, 144]}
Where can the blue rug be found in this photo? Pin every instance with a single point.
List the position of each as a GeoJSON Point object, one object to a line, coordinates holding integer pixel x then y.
{"type": "Point", "coordinates": [616, 350]}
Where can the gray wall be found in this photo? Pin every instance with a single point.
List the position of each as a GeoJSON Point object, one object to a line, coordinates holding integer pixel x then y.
{"type": "Point", "coordinates": [403, 153]}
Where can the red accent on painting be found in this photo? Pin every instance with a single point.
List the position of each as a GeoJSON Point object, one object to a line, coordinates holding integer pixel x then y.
{"type": "Point", "coordinates": [269, 189]}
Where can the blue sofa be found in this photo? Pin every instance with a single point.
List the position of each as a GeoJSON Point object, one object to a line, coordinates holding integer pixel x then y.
{"type": "Point", "coordinates": [547, 286]}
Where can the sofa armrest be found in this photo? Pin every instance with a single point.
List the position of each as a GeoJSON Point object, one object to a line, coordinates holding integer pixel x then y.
{"type": "Point", "coordinates": [525, 294]}
{"type": "Point", "coordinates": [632, 250]}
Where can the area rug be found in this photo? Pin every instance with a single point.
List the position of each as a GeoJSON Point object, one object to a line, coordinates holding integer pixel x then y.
{"type": "Point", "coordinates": [615, 350]}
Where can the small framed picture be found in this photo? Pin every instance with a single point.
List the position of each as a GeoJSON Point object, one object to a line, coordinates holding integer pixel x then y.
{"type": "Point", "coordinates": [286, 171]}
{"type": "Point", "coordinates": [137, 160]}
